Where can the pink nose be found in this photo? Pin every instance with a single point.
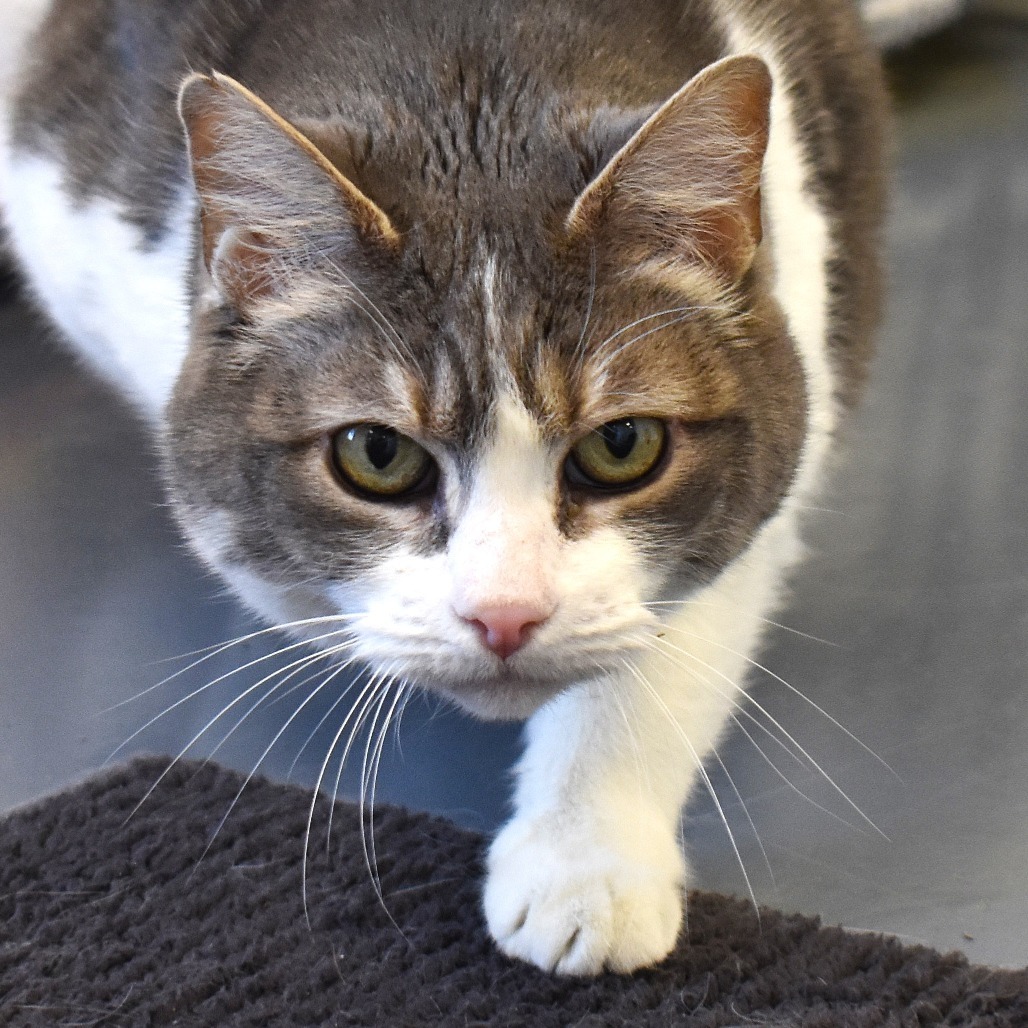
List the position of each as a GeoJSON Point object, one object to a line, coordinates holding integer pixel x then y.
{"type": "Point", "coordinates": [504, 630]}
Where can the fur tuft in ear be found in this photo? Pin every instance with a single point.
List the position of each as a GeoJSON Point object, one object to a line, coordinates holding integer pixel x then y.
{"type": "Point", "coordinates": [270, 201]}
{"type": "Point", "coordinates": [686, 187]}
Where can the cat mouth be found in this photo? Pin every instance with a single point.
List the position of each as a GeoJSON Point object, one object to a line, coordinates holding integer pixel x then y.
{"type": "Point", "coordinates": [504, 697]}
{"type": "Point", "coordinates": [505, 692]}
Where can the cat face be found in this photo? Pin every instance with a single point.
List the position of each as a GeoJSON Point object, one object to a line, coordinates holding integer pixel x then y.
{"type": "Point", "coordinates": [485, 448]}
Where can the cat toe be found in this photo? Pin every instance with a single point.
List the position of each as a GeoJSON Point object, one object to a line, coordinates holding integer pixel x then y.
{"type": "Point", "coordinates": [578, 906]}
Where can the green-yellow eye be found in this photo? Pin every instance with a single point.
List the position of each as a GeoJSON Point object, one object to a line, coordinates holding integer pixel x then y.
{"type": "Point", "coordinates": [618, 453]}
{"type": "Point", "coordinates": [380, 461]}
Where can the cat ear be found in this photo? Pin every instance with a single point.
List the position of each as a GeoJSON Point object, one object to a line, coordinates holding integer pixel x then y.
{"type": "Point", "coordinates": [686, 185]}
{"type": "Point", "coordinates": [270, 201]}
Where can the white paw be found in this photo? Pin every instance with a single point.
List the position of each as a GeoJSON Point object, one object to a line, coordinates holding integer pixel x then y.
{"type": "Point", "coordinates": [579, 900]}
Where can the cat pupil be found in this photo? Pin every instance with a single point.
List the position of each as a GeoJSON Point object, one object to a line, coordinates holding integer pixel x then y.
{"type": "Point", "coordinates": [380, 445]}
{"type": "Point", "coordinates": [620, 437]}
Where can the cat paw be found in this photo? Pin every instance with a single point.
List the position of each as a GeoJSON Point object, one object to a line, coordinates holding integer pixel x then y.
{"type": "Point", "coordinates": [587, 900]}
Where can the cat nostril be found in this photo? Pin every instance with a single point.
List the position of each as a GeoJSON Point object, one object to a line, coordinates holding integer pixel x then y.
{"type": "Point", "coordinates": [505, 630]}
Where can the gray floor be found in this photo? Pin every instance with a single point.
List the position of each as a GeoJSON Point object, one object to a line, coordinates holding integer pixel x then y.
{"type": "Point", "coordinates": [918, 579]}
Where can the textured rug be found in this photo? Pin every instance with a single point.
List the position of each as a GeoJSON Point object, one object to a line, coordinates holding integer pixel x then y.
{"type": "Point", "coordinates": [107, 919]}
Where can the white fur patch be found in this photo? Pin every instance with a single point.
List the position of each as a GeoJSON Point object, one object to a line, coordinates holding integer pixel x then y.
{"type": "Point", "coordinates": [212, 535]}
{"type": "Point", "coordinates": [286, 607]}
{"type": "Point", "coordinates": [490, 300]}
{"type": "Point", "coordinates": [801, 248]}
{"type": "Point", "coordinates": [121, 304]}
{"type": "Point", "coordinates": [505, 546]}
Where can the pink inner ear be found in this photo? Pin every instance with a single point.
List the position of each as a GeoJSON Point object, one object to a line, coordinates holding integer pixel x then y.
{"type": "Point", "coordinates": [241, 266]}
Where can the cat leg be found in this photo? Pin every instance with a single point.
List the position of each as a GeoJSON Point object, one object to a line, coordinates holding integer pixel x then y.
{"type": "Point", "coordinates": [589, 873]}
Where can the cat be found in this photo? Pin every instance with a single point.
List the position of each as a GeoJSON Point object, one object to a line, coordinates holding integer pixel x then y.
{"type": "Point", "coordinates": [497, 345]}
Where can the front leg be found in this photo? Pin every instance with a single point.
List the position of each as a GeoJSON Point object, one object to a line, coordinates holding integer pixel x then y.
{"type": "Point", "coordinates": [589, 873]}
{"type": "Point", "coordinates": [578, 890]}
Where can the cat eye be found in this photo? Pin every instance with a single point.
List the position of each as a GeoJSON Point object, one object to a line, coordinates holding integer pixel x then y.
{"type": "Point", "coordinates": [379, 461]}
{"type": "Point", "coordinates": [617, 454]}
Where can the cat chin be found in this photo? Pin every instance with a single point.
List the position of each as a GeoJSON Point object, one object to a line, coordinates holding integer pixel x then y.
{"type": "Point", "coordinates": [508, 699]}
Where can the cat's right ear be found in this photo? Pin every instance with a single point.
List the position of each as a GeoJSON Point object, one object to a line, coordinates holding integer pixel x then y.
{"type": "Point", "coordinates": [684, 190]}
{"type": "Point", "coordinates": [271, 204]}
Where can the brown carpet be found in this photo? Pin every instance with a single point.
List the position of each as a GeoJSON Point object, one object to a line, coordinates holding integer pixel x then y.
{"type": "Point", "coordinates": [104, 922]}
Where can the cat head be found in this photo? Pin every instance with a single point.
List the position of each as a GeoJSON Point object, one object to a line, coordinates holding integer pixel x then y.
{"type": "Point", "coordinates": [488, 390]}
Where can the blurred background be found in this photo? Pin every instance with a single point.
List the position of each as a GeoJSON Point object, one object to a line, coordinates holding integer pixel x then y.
{"type": "Point", "coordinates": [913, 607]}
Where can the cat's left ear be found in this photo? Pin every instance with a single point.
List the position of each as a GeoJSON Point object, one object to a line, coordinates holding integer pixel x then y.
{"type": "Point", "coordinates": [271, 203]}
{"type": "Point", "coordinates": [685, 188]}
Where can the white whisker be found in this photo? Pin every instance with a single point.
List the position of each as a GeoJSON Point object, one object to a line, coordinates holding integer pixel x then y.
{"type": "Point", "coordinates": [374, 768]}
{"type": "Point", "coordinates": [382, 681]}
{"type": "Point", "coordinates": [638, 675]}
{"type": "Point", "coordinates": [611, 357]}
{"type": "Point", "coordinates": [580, 346]}
{"type": "Point", "coordinates": [267, 749]}
{"type": "Point", "coordinates": [735, 704]}
{"type": "Point", "coordinates": [806, 699]}
{"type": "Point", "coordinates": [219, 648]}
{"type": "Point", "coordinates": [789, 782]}
{"type": "Point", "coordinates": [283, 627]}
{"type": "Point", "coordinates": [276, 686]}
{"type": "Point", "coordinates": [317, 728]}
{"type": "Point", "coordinates": [384, 325]}
{"type": "Point", "coordinates": [785, 732]}
{"type": "Point", "coordinates": [640, 766]}
{"type": "Point", "coordinates": [216, 681]}
{"type": "Point", "coordinates": [749, 819]}
{"type": "Point", "coordinates": [304, 662]}
{"type": "Point", "coordinates": [757, 617]}
{"type": "Point", "coordinates": [371, 783]}
{"type": "Point", "coordinates": [362, 794]}
{"type": "Point", "coordinates": [639, 321]}
{"type": "Point", "coordinates": [317, 789]}
{"type": "Point", "coordinates": [408, 696]}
